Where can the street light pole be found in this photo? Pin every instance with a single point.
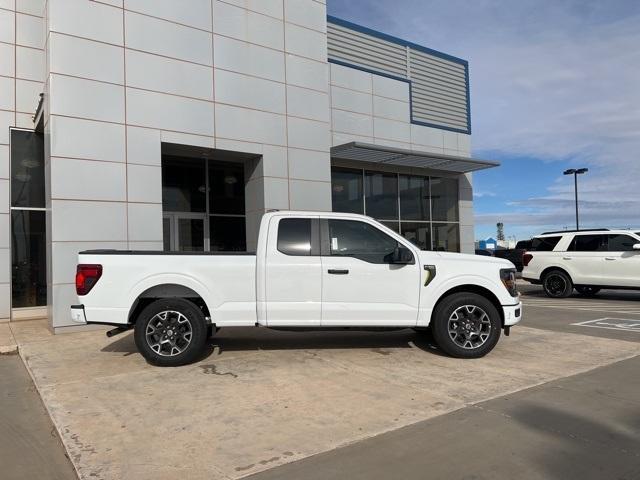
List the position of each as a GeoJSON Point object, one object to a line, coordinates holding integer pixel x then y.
{"type": "Point", "coordinates": [575, 173]}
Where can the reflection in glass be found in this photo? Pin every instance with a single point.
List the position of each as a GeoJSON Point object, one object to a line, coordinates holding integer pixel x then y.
{"type": "Point", "coordinates": [446, 237]}
{"type": "Point", "coordinates": [183, 184]}
{"type": "Point", "coordinates": [226, 188]}
{"type": "Point", "coordinates": [227, 234]}
{"type": "Point", "coordinates": [414, 198]}
{"type": "Point", "coordinates": [27, 169]}
{"type": "Point", "coordinates": [28, 263]}
{"type": "Point", "coordinates": [381, 193]}
{"type": "Point", "coordinates": [444, 199]}
{"type": "Point", "coordinates": [166, 234]}
{"type": "Point", "coordinates": [346, 190]}
{"type": "Point", "coordinates": [417, 233]}
{"type": "Point", "coordinates": [190, 234]}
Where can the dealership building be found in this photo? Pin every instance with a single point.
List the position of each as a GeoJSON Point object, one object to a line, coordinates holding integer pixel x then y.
{"type": "Point", "coordinates": [157, 124]}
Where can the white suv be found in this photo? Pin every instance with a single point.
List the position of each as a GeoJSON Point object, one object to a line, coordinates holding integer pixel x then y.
{"type": "Point", "coordinates": [587, 260]}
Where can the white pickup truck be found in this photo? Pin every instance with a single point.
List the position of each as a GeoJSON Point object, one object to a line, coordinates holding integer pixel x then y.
{"type": "Point", "coordinates": [312, 271]}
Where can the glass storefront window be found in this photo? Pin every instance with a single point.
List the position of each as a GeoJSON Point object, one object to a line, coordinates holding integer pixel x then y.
{"type": "Point", "coordinates": [417, 233]}
{"type": "Point", "coordinates": [444, 199]}
{"type": "Point", "coordinates": [381, 195]}
{"type": "Point", "coordinates": [28, 263]}
{"type": "Point", "coordinates": [27, 169]}
{"type": "Point", "coordinates": [422, 200]}
{"type": "Point", "coordinates": [226, 188]}
{"type": "Point", "coordinates": [446, 237]}
{"type": "Point", "coordinates": [227, 234]}
{"type": "Point", "coordinates": [414, 198]}
{"type": "Point", "coordinates": [346, 190]}
{"type": "Point", "coordinates": [183, 184]}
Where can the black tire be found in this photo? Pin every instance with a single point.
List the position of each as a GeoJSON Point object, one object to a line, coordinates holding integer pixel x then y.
{"type": "Point", "coordinates": [587, 291]}
{"type": "Point", "coordinates": [179, 337]}
{"type": "Point", "coordinates": [465, 343]}
{"type": "Point", "coordinates": [557, 284]}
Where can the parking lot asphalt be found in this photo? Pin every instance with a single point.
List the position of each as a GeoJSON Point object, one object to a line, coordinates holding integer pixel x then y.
{"type": "Point", "coordinates": [553, 400]}
{"type": "Point", "coordinates": [610, 314]}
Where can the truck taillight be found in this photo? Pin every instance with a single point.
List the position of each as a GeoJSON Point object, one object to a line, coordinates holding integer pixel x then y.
{"type": "Point", "coordinates": [87, 275]}
{"type": "Point", "coordinates": [526, 258]}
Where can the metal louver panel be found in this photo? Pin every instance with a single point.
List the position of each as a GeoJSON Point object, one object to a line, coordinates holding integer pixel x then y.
{"type": "Point", "coordinates": [361, 49]}
{"type": "Point", "coordinates": [439, 90]}
{"type": "Point", "coordinates": [439, 82]}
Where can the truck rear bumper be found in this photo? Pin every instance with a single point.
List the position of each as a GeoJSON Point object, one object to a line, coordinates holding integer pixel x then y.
{"type": "Point", "coordinates": [512, 314]}
{"type": "Point", "coordinates": [77, 314]}
{"type": "Point", "coordinates": [98, 316]}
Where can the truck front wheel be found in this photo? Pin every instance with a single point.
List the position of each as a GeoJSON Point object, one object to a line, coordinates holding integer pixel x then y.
{"type": "Point", "coordinates": [466, 325]}
{"type": "Point", "coordinates": [171, 332]}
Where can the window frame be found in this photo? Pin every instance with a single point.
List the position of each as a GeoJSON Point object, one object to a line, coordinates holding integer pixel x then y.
{"type": "Point", "coordinates": [620, 235]}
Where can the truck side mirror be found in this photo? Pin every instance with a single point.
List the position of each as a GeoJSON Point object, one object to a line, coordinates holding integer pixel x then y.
{"type": "Point", "coordinates": [636, 246]}
{"type": "Point", "coordinates": [400, 256]}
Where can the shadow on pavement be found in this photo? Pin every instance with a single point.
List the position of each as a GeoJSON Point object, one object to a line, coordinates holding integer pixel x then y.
{"type": "Point", "coordinates": [580, 446]}
{"type": "Point", "coordinates": [251, 339]}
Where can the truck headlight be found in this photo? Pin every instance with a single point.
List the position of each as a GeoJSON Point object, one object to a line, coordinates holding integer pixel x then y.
{"type": "Point", "coordinates": [508, 277]}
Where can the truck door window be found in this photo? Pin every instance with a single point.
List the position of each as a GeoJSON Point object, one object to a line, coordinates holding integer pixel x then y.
{"type": "Point", "coordinates": [294, 236]}
{"type": "Point", "coordinates": [350, 238]}
{"type": "Point", "coordinates": [588, 243]}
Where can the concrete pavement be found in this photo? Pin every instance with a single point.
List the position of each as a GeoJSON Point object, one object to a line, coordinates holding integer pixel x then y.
{"type": "Point", "coordinates": [581, 427]}
{"type": "Point", "coordinates": [29, 445]}
{"type": "Point", "coordinates": [263, 399]}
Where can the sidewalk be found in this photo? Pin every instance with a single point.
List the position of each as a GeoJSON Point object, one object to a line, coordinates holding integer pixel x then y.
{"type": "Point", "coordinates": [7, 342]}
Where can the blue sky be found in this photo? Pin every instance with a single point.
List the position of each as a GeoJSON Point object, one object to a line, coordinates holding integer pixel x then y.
{"type": "Point", "coordinates": [554, 85]}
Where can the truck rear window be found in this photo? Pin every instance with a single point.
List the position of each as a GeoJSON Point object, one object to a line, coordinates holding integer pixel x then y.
{"type": "Point", "coordinates": [544, 244]}
{"type": "Point", "coordinates": [294, 236]}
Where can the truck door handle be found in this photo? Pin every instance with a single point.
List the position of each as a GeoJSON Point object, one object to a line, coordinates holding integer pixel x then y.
{"type": "Point", "coordinates": [609, 258]}
{"type": "Point", "coordinates": [567, 258]}
{"type": "Point", "coordinates": [334, 271]}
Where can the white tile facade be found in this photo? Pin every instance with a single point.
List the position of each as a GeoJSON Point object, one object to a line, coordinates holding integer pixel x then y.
{"type": "Point", "coordinates": [22, 71]}
{"type": "Point", "coordinates": [121, 77]}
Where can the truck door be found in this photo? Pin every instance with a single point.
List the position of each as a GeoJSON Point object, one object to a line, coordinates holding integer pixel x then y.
{"type": "Point", "coordinates": [359, 284]}
{"type": "Point", "coordinates": [293, 275]}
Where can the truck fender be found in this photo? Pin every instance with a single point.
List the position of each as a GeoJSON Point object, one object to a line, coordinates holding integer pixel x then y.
{"type": "Point", "coordinates": [209, 298]}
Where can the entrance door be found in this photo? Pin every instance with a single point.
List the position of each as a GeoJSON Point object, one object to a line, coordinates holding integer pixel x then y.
{"type": "Point", "coordinates": [184, 232]}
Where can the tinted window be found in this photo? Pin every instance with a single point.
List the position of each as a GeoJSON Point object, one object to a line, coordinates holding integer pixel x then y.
{"type": "Point", "coordinates": [351, 238]}
{"type": "Point", "coordinates": [525, 244]}
{"type": "Point", "coordinates": [446, 237]}
{"type": "Point", "coordinates": [28, 272]}
{"type": "Point", "coordinates": [444, 199]}
{"type": "Point", "coordinates": [346, 190]}
{"type": "Point", "coordinates": [417, 233]}
{"type": "Point", "coordinates": [294, 236]}
{"type": "Point", "coordinates": [414, 198]}
{"type": "Point", "coordinates": [183, 184]}
{"type": "Point", "coordinates": [588, 243]}
{"type": "Point", "coordinates": [621, 243]}
{"type": "Point", "coordinates": [227, 234]}
{"type": "Point", "coordinates": [544, 244]}
{"type": "Point", "coordinates": [381, 191]}
{"type": "Point", "coordinates": [27, 169]}
{"type": "Point", "coordinates": [226, 188]}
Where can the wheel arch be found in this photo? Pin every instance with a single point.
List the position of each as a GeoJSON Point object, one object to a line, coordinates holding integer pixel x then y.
{"type": "Point", "coordinates": [470, 288]}
{"type": "Point", "coordinates": [166, 290]}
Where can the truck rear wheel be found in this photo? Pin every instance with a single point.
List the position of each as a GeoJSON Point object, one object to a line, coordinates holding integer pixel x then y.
{"type": "Point", "coordinates": [171, 332]}
{"type": "Point", "coordinates": [466, 325]}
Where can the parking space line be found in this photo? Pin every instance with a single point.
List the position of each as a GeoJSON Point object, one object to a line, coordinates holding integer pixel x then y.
{"type": "Point", "coordinates": [607, 323]}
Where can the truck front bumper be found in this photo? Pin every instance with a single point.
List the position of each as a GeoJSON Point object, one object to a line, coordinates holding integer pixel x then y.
{"type": "Point", "coordinates": [512, 314]}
